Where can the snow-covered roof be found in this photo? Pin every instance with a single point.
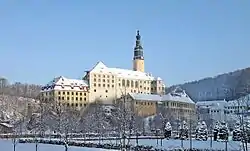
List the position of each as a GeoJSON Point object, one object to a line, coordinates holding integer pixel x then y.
{"type": "Point", "coordinates": [217, 104]}
{"type": "Point", "coordinates": [177, 96]}
{"type": "Point", "coordinates": [100, 67]}
{"type": "Point", "coordinates": [145, 97]}
{"type": "Point", "coordinates": [62, 83]}
{"type": "Point", "coordinates": [6, 125]}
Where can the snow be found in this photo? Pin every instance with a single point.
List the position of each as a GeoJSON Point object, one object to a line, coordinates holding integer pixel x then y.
{"type": "Point", "coordinates": [63, 83]}
{"type": "Point", "coordinates": [170, 144]}
{"type": "Point", "coordinates": [7, 125]}
{"type": "Point", "coordinates": [100, 67]}
{"type": "Point", "coordinates": [6, 145]}
{"type": "Point", "coordinates": [176, 96]}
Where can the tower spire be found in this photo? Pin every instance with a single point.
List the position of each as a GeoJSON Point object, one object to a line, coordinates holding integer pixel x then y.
{"type": "Point", "coordinates": [138, 45]}
{"type": "Point", "coordinates": [138, 54]}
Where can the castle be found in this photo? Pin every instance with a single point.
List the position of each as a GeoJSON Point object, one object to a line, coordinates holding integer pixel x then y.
{"type": "Point", "coordinates": [107, 85]}
{"type": "Point", "coordinates": [104, 83]}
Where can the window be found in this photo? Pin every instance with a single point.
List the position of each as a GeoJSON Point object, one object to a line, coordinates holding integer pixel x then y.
{"type": "Point", "coordinates": [76, 98]}
{"type": "Point", "coordinates": [132, 83]}
{"type": "Point", "coordinates": [85, 105]}
{"type": "Point", "coordinates": [108, 80]}
{"type": "Point", "coordinates": [80, 104]}
{"type": "Point", "coordinates": [106, 91]}
{"type": "Point", "coordinates": [103, 80]}
{"type": "Point", "coordinates": [68, 104]}
{"type": "Point", "coordinates": [76, 104]}
{"type": "Point", "coordinates": [67, 93]}
{"type": "Point", "coordinates": [119, 84]}
{"type": "Point", "coordinates": [136, 84]}
{"type": "Point", "coordinates": [59, 93]}
{"type": "Point", "coordinates": [72, 104]}
{"type": "Point", "coordinates": [76, 93]}
{"type": "Point", "coordinates": [72, 93]}
{"type": "Point", "coordinates": [72, 99]}
{"type": "Point", "coordinates": [113, 81]}
{"type": "Point", "coordinates": [103, 85]}
{"type": "Point", "coordinates": [63, 93]}
{"type": "Point", "coordinates": [113, 85]}
{"type": "Point", "coordinates": [62, 98]}
{"type": "Point", "coordinates": [80, 93]}
{"type": "Point", "coordinates": [80, 98]}
{"type": "Point", "coordinates": [108, 85]}
{"type": "Point", "coordinates": [67, 98]}
{"type": "Point", "coordinates": [85, 94]}
{"type": "Point", "coordinates": [94, 90]}
{"type": "Point", "coordinates": [107, 76]}
{"type": "Point", "coordinates": [99, 85]}
{"type": "Point", "coordinates": [59, 98]}
{"type": "Point", "coordinates": [94, 79]}
{"type": "Point", "coordinates": [99, 80]}
{"type": "Point", "coordinates": [85, 99]}
{"type": "Point", "coordinates": [128, 83]}
{"type": "Point", "coordinates": [99, 75]}
{"type": "Point", "coordinates": [123, 82]}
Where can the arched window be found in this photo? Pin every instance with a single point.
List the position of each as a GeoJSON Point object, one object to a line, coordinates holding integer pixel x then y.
{"type": "Point", "coordinates": [128, 83]}
{"type": "Point", "coordinates": [123, 82]}
{"type": "Point", "coordinates": [136, 84]}
{"type": "Point", "coordinates": [132, 84]}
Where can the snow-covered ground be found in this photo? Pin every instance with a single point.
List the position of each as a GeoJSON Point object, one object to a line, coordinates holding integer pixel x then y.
{"type": "Point", "coordinates": [6, 145]}
{"type": "Point", "coordinates": [171, 144]}
{"type": "Point", "coordinates": [166, 144]}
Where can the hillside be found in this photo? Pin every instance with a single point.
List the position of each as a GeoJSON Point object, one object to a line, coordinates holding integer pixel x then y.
{"type": "Point", "coordinates": [229, 86]}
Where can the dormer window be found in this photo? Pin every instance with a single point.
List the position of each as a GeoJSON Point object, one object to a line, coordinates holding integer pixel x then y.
{"type": "Point", "coordinates": [62, 79]}
{"type": "Point", "coordinates": [62, 83]}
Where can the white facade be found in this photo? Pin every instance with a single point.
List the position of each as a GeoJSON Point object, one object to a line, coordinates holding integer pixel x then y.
{"type": "Point", "coordinates": [221, 110]}
{"type": "Point", "coordinates": [107, 84]}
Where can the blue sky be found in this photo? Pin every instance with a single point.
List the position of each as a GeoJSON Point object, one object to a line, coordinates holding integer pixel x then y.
{"type": "Point", "coordinates": [182, 40]}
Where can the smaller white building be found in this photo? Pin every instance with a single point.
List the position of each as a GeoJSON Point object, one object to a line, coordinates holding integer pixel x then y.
{"type": "Point", "coordinates": [222, 110]}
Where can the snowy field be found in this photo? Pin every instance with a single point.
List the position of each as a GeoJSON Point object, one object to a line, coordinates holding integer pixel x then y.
{"type": "Point", "coordinates": [171, 144]}
{"type": "Point", "coordinates": [6, 145]}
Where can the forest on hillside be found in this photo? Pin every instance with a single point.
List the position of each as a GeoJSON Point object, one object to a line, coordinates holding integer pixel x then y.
{"type": "Point", "coordinates": [228, 86]}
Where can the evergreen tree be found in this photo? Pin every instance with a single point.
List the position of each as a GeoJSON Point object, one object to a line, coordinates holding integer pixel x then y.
{"type": "Point", "coordinates": [216, 130]}
{"type": "Point", "coordinates": [246, 131]}
{"type": "Point", "coordinates": [197, 129]}
{"type": "Point", "coordinates": [223, 132]}
{"type": "Point", "coordinates": [201, 132]}
{"type": "Point", "coordinates": [168, 130]}
{"type": "Point", "coordinates": [183, 130]}
{"type": "Point", "coordinates": [237, 132]}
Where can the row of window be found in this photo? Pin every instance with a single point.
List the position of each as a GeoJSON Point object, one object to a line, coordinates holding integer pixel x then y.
{"type": "Point", "coordinates": [235, 107]}
{"type": "Point", "coordinates": [144, 103]}
{"type": "Point", "coordinates": [74, 104]}
{"type": "Point", "coordinates": [72, 93]}
{"type": "Point", "coordinates": [174, 104]}
{"type": "Point", "coordinates": [132, 91]}
{"type": "Point", "coordinates": [127, 83]}
{"type": "Point", "coordinates": [182, 111]}
{"type": "Point", "coordinates": [104, 85]}
{"type": "Point", "coordinates": [72, 98]}
{"type": "Point", "coordinates": [104, 76]}
{"type": "Point", "coordinates": [145, 88]}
